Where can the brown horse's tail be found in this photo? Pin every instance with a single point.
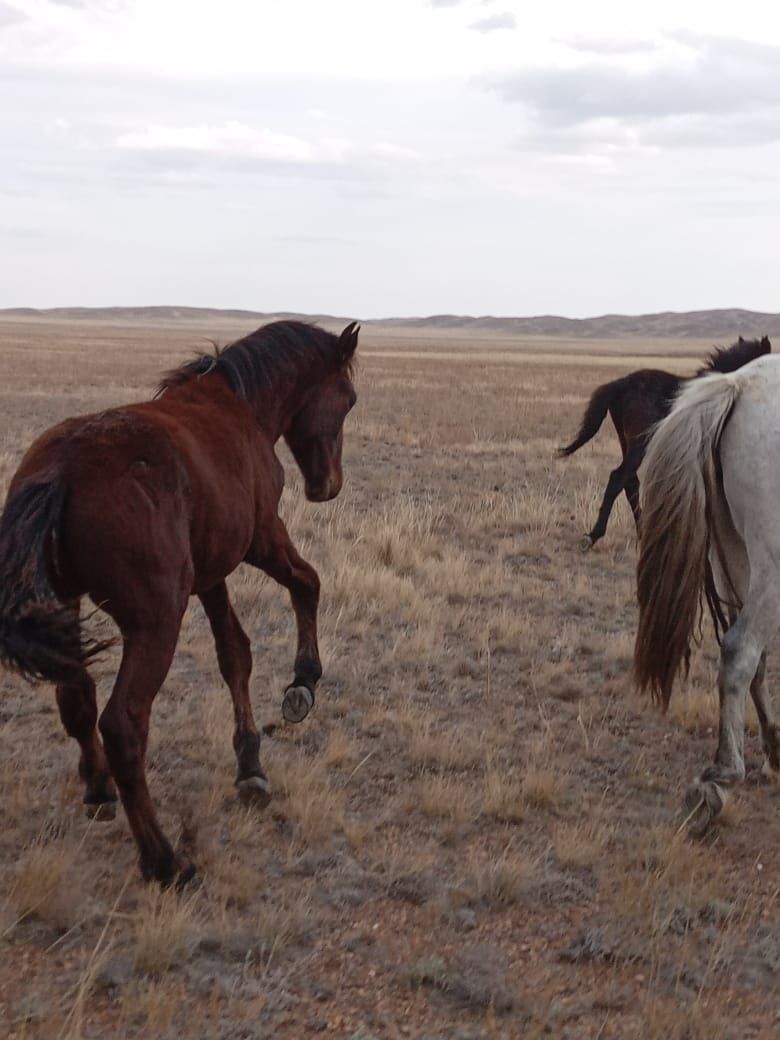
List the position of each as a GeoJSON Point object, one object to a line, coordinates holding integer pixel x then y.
{"type": "Point", "coordinates": [595, 414]}
{"type": "Point", "coordinates": [679, 484]}
{"type": "Point", "coordinates": [40, 637]}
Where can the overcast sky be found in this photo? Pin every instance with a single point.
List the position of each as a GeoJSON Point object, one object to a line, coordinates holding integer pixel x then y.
{"type": "Point", "coordinates": [391, 157]}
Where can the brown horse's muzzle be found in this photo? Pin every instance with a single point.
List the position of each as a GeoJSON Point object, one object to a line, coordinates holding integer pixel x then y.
{"type": "Point", "coordinates": [326, 491]}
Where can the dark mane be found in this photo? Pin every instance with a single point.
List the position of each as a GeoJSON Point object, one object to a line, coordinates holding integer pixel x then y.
{"type": "Point", "coordinates": [729, 359]}
{"type": "Point", "coordinates": [258, 360]}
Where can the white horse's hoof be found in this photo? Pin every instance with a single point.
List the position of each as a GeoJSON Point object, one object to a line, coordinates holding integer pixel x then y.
{"type": "Point", "coordinates": [297, 703]}
{"type": "Point", "coordinates": [703, 802]}
{"type": "Point", "coordinates": [254, 791]}
{"type": "Point", "coordinates": [586, 543]}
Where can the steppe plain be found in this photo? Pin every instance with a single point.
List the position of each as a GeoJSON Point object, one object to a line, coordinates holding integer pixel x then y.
{"type": "Point", "coordinates": [477, 832]}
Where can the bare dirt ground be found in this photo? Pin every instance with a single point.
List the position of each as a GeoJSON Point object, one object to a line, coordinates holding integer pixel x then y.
{"type": "Point", "coordinates": [476, 833]}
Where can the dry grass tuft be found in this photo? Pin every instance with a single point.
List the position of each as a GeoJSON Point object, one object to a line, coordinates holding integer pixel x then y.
{"type": "Point", "coordinates": [40, 887]}
{"type": "Point", "coordinates": [500, 880]}
{"type": "Point", "coordinates": [165, 926]}
{"type": "Point", "coordinates": [503, 796]}
{"type": "Point", "coordinates": [580, 845]}
{"type": "Point", "coordinates": [310, 801]}
{"type": "Point", "coordinates": [542, 785]}
{"type": "Point", "coordinates": [445, 797]}
{"type": "Point", "coordinates": [283, 919]}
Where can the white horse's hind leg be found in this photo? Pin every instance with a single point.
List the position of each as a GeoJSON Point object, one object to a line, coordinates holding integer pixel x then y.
{"type": "Point", "coordinates": [741, 668]}
{"type": "Point", "coordinates": [770, 732]}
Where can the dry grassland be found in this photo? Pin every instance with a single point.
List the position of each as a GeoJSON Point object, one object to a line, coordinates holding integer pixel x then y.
{"type": "Point", "coordinates": [476, 832]}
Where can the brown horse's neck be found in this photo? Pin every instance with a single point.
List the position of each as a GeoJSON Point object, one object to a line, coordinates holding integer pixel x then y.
{"type": "Point", "coordinates": [272, 407]}
{"type": "Point", "coordinates": [276, 406]}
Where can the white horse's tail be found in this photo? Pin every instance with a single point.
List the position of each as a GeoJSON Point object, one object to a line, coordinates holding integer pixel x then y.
{"type": "Point", "coordinates": [680, 479]}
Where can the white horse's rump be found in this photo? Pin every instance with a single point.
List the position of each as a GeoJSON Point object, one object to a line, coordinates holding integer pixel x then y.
{"type": "Point", "coordinates": [711, 493]}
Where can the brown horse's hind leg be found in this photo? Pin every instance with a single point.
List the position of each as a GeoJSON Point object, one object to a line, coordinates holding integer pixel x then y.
{"type": "Point", "coordinates": [622, 478]}
{"type": "Point", "coordinates": [770, 733]}
{"type": "Point", "coordinates": [78, 711]}
{"type": "Point", "coordinates": [235, 665]}
{"type": "Point", "coordinates": [275, 554]}
{"type": "Point", "coordinates": [124, 726]}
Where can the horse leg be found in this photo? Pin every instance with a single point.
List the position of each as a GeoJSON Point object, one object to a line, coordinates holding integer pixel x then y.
{"type": "Point", "coordinates": [770, 732]}
{"type": "Point", "coordinates": [124, 725]}
{"type": "Point", "coordinates": [632, 494]}
{"type": "Point", "coordinates": [275, 554]}
{"type": "Point", "coordinates": [615, 485]}
{"type": "Point", "coordinates": [744, 646]}
{"type": "Point", "coordinates": [235, 665]}
{"type": "Point", "coordinates": [78, 711]}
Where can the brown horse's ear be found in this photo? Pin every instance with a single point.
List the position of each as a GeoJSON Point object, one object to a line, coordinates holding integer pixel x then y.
{"type": "Point", "coordinates": [740, 340]}
{"type": "Point", "coordinates": [348, 340]}
{"type": "Point", "coordinates": [766, 344]}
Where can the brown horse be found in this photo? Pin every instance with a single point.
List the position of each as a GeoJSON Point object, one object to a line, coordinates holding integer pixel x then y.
{"type": "Point", "coordinates": [141, 507]}
{"type": "Point", "coordinates": [636, 403]}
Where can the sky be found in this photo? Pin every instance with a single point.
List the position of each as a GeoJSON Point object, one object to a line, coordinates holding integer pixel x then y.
{"type": "Point", "coordinates": [376, 158]}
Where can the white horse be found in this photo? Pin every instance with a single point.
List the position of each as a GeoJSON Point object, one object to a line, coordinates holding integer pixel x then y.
{"type": "Point", "coordinates": [711, 531]}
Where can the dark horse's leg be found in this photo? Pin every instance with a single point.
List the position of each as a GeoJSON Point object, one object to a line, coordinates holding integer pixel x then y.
{"type": "Point", "coordinates": [124, 724]}
{"type": "Point", "coordinates": [78, 711]}
{"type": "Point", "coordinates": [273, 552]}
{"type": "Point", "coordinates": [622, 478]}
{"type": "Point", "coordinates": [632, 494]}
{"type": "Point", "coordinates": [235, 664]}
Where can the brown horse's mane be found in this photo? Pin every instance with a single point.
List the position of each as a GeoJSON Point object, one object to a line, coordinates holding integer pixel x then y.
{"type": "Point", "coordinates": [729, 359]}
{"type": "Point", "coordinates": [273, 352]}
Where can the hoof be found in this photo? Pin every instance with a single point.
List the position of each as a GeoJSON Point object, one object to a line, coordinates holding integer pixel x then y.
{"type": "Point", "coordinates": [101, 811]}
{"type": "Point", "coordinates": [297, 703]}
{"type": "Point", "coordinates": [586, 543]}
{"type": "Point", "coordinates": [186, 873]}
{"type": "Point", "coordinates": [254, 791]}
{"type": "Point", "coordinates": [177, 872]}
{"type": "Point", "coordinates": [703, 802]}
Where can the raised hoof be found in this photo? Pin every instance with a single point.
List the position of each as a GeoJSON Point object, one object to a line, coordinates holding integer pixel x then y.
{"type": "Point", "coordinates": [100, 811]}
{"type": "Point", "coordinates": [703, 802]}
{"type": "Point", "coordinates": [586, 543]}
{"type": "Point", "coordinates": [297, 703]}
{"type": "Point", "coordinates": [254, 791]}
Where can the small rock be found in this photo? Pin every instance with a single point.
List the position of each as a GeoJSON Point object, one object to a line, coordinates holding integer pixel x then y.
{"type": "Point", "coordinates": [464, 919]}
{"type": "Point", "coordinates": [115, 973]}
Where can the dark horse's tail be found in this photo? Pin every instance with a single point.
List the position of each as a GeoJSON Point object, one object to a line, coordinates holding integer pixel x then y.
{"type": "Point", "coordinates": [40, 637]}
{"type": "Point", "coordinates": [595, 414]}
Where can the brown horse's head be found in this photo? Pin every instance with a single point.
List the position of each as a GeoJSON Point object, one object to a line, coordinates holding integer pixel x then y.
{"type": "Point", "coordinates": [316, 433]}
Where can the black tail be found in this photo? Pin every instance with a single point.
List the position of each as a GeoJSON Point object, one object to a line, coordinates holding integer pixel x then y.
{"type": "Point", "coordinates": [598, 406]}
{"type": "Point", "coordinates": [40, 637]}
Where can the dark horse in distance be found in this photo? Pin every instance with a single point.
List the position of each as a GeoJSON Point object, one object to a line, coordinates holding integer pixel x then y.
{"type": "Point", "coordinates": [636, 403]}
{"type": "Point", "coordinates": [142, 506]}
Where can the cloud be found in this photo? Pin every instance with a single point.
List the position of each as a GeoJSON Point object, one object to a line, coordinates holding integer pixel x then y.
{"type": "Point", "coordinates": [232, 138]}
{"type": "Point", "coordinates": [10, 15]}
{"type": "Point", "coordinates": [696, 93]}
{"type": "Point", "coordinates": [193, 153]}
{"type": "Point", "coordinates": [495, 21]}
{"type": "Point", "coordinates": [610, 45]}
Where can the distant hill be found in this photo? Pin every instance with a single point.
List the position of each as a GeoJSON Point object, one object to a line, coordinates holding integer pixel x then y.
{"type": "Point", "coordinates": [713, 325]}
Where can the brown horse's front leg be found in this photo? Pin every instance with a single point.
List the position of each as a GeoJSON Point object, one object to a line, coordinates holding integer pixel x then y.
{"type": "Point", "coordinates": [274, 553]}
